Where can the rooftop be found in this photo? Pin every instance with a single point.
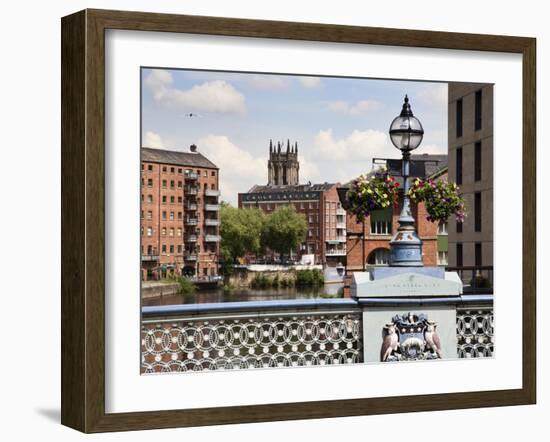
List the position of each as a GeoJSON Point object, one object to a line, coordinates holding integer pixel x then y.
{"type": "Point", "coordinates": [163, 156]}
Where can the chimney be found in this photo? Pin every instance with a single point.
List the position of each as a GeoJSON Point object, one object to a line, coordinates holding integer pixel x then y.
{"type": "Point", "coordinates": [193, 148]}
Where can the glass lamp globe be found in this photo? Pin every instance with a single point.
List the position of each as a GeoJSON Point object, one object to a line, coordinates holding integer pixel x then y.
{"type": "Point", "coordinates": [406, 132]}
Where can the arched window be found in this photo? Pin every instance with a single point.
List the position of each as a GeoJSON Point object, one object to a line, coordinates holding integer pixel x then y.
{"type": "Point", "coordinates": [379, 257]}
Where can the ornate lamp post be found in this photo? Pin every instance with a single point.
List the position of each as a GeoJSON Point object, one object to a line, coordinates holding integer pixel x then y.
{"type": "Point", "coordinates": [406, 134]}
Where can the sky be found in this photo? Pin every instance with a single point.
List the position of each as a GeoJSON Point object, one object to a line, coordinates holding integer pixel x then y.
{"type": "Point", "coordinates": [340, 124]}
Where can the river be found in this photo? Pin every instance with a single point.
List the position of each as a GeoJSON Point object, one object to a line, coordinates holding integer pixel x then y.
{"type": "Point", "coordinates": [219, 295]}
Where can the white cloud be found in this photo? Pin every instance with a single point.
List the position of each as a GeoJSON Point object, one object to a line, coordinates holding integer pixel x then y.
{"type": "Point", "coordinates": [358, 145]}
{"type": "Point", "coordinates": [433, 94]}
{"type": "Point", "coordinates": [211, 96]}
{"type": "Point", "coordinates": [239, 170]}
{"type": "Point", "coordinates": [358, 108]}
{"type": "Point", "coordinates": [153, 140]}
{"type": "Point", "coordinates": [268, 82]}
{"type": "Point", "coordinates": [310, 82]}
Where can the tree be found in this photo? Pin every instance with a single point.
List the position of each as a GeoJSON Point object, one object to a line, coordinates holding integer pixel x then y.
{"type": "Point", "coordinates": [240, 231]}
{"type": "Point", "coordinates": [284, 230]}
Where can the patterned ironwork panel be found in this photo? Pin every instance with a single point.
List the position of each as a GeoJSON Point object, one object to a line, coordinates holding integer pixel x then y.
{"type": "Point", "coordinates": [474, 328]}
{"type": "Point", "coordinates": [247, 343]}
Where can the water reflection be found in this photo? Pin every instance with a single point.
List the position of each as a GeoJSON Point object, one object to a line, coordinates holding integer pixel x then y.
{"type": "Point", "coordinates": [219, 295]}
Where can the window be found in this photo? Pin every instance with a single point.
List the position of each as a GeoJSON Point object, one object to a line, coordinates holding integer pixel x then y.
{"type": "Point", "coordinates": [458, 227]}
{"type": "Point", "coordinates": [163, 215]}
{"type": "Point", "coordinates": [149, 198]}
{"type": "Point", "coordinates": [172, 184]}
{"type": "Point", "coordinates": [477, 111]}
{"type": "Point", "coordinates": [172, 199]}
{"type": "Point", "coordinates": [142, 231]}
{"type": "Point", "coordinates": [163, 231]}
{"type": "Point", "coordinates": [172, 216]}
{"type": "Point", "coordinates": [180, 215]}
{"type": "Point", "coordinates": [149, 214]}
{"type": "Point", "coordinates": [150, 167]}
{"type": "Point", "coordinates": [164, 248]}
{"type": "Point", "coordinates": [442, 228]}
{"type": "Point", "coordinates": [171, 231]}
{"type": "Point", "coordinates": [380, 227]}
{"type": "Point", "coordinates": [379, 257]}
{"type": "Point", "coordinates": [180, 199]}
{"type": "Point", "coordinates": [180, 184]}
{"type": "Point", "coordinates": [164, 168]}
{"type": "Point", "coordinates": [180, 170]}
{"type": "Point", "coordinates": [459, 165]}
{"type": "Point", "coordinates": [205, 173]}
{"type": "Point", "coordinates": [477, 161]}
{"type": "Point", "coordinates": [149, 231]}
{"type": "Point", "coordinates": [459, 255]}
{"type": "Point", "coordinates": [213, 173]}
{"type": "Point", "coordinates": [478, 254]}
{"type": "Point", "coordinates": [163, 183]}
{"type": "Point", "coordinates": [179, 248]}
{"type": "Point", "coordinates": [179, 232]}
{"type": "Point", "coordinates": [442, 258]}
{"type": "Point", "coordinates": [459, 118]}
{"type": "Point", "coordinates": [172, 170]}
{"type": "Point", "coordinates": [477, 211]}
{"type": "Point", "coordinates": [142, 214]}
{"type": "Point", "coordinates": [163, 199]}
{"type": "Point", "coordinates": [150, 182]}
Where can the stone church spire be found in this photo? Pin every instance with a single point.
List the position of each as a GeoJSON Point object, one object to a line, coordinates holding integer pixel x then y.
{"type": "Point", "coordinates": [283, 167]}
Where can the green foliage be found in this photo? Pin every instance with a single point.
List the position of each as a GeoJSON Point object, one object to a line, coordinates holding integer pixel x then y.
{"type": "Point", "coordinates": [261, 281]}
{"type": "Point", "coordinates": [440, 197]}
{"type": "Point", "coordinates": [186, 287]}
{"type": "Point", "coordinates": [240, 231]}
{"type": "Point", "coordinates": [372, 192]}
{"type": "Point", "coordinates": [309, 278]}
{"type": "Point", "coordinates": [284, 230]}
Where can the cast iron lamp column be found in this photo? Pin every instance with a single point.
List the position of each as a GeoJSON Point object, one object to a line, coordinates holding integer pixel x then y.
{"type": "Point", "coordinates": [406, 134]}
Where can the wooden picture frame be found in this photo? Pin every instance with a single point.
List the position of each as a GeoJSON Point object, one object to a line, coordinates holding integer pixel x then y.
{"type": "Point", "coordinates": [83, 219]}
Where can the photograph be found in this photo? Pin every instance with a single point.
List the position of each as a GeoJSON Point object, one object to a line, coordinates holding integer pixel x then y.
{"type": "Point", "coordinates": [292, 220]}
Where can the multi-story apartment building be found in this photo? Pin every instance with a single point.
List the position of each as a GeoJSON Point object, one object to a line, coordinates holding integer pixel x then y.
{"type": "Point", "coordinates": [319, 203]}
{"type": "Point", "coordinates": [470, 134]}
{"type": "Point", "coordinates": [179, 213]}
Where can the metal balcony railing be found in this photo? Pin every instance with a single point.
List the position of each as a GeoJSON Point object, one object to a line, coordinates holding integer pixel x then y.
{"type": "Point", "coordinates": [191, 190]}
{"type": "Point", "coordinates": [191, 238]}
{"type": "Point", "coordinates": [211, 192]}
{"type": "Point", "coordinates": [191, 206]}
{"type": "Point", "coordinates": [190, 256]}
{"type": "Point", "coordinates": [191, 221]}
{"type": "Point", "coordinates": [211, 207]}
{"type": "Point", "coordinates": [212, 238]}
{"type": "Point", "coordinates": [191, 175]}
{"type": "Point", "coordinates": [211, 222]}
{"type": "Point", "coordinates": [148, 257]}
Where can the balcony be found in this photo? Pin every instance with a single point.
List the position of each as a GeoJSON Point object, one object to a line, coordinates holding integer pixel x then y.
{"type": "Point", "coordinates": [149, 257]}
{"type": "Point", "coordinates": [191, 175]}
{"type": "Point", "coordinates": [191, 190]}
{"type": "Point", "coordinates": [298, 334]}
{"type": "Point", "coordinates": [191, 238]}
{"type": "Point", "coordinates": [211, 192]}
{"type": "Point", "coordinates": [211, 222]}
{"type": "Point", "coordinates": [190, 206]}
{"type": "Point", "coordinates": [191, 221]}
{"type": "Point", "coordinates": [212, 207]}
{"type": "Point", "coordinates": [212, 238]}
{"type": "Point", "coordinates": [340, 212]}
{"type": "Point", "coordinates": [335, 252]}
{"type": "Point", "coordinates": [190, 256]}
{"type": "Point", "coordinates": [340, 225]}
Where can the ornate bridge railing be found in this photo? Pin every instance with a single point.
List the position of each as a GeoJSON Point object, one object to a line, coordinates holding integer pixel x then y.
{"type": "Point", "coordinates": [270, 334]}
{"type": "Point", "coordinates": [251, 335]}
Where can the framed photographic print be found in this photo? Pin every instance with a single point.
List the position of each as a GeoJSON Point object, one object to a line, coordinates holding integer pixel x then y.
{"type": "Point", "coordinates": [270, 220]}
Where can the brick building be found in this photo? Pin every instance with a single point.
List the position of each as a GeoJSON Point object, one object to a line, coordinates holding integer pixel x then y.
{"type": "Point", "coordinates": [179, 213]}
{"type": "Point", "coordinates": [368, 241]}
{"type": "Point", "coordinates": [319, 203]}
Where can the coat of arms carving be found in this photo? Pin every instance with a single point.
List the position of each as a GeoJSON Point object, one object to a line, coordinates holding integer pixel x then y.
{"type": "Point", "coordinates": [410, 337]}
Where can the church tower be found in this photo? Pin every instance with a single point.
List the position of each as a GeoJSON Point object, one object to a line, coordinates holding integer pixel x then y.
{"type": "Point", "coordinates": [283, 167]}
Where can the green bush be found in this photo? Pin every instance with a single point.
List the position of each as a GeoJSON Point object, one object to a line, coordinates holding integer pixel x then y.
{"type": "Point", "coordinates": [260, 281]}
{"type": "Point", "coordinates": [309, 278]}
{"type": "Point", "coordinates": [186, 287]}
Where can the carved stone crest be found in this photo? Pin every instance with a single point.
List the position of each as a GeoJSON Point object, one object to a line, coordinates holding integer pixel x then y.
{"type": "Point", "coordinates": [410, 337]}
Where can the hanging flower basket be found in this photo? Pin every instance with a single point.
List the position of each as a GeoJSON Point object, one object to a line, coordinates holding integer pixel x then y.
{"type": "Point", "coordinates": [440, 198]}
{"type": "Point", "coordinates": [373, 192]}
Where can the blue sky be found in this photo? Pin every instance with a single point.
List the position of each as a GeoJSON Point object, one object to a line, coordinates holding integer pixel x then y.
{"type": "Point", "coordinates": [340, 124]}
